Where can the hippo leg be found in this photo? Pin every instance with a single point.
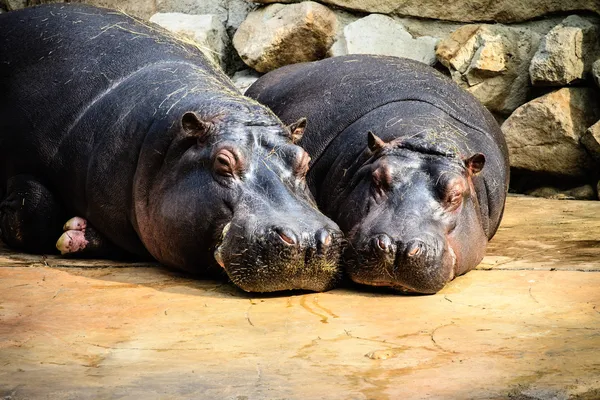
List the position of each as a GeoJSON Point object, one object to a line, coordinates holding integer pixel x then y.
{"type": "Point", "coordinates": [30, 215]}
{"type": "Point", "coordinates": [81, 239]}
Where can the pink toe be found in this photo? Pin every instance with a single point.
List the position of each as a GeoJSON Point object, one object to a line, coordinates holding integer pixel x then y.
{"type": "Point", "coordinates": [75, 223]}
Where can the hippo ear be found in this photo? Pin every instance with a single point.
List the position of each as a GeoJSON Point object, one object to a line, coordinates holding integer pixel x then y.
{"type": "Point", "coordinates": [475, 163]}
{"type": "Point", "coordinates": [375, 143]}
{"type": "Point", "coordinates": [297, 130]}
{"type": "Point", "coordinates": [193, 125]}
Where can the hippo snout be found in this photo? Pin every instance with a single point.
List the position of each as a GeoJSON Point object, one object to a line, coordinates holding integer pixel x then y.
{"type": "Point", "coordinates": [283, 256]}
{"type": "Point", "coordinates": [320, 243]}
{"type": "Point", "coordinates": [398, 253]}
{"type": "Point", "coordinates": [420, 265]}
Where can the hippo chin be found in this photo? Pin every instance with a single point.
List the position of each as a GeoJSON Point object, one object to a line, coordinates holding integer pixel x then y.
{"type": "Point", "coordinates": [412, 168]}
{"type": "Point", "coordinates": [153, 152]}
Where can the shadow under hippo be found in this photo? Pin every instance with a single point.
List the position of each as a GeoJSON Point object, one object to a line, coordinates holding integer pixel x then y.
{"type": "Point", "coordinates": [413, 169]}
{"type": "Point", "coordinates": [155, 152]}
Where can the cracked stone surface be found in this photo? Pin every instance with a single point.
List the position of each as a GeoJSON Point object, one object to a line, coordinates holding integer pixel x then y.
{"type": "Point", "coordinates": [524, 325]}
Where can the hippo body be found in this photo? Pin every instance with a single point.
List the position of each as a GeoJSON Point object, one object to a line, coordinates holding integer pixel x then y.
{"type": "Point", "coordinates": [116, 122]}
{"type": "Point", "coordinates": [412, 168]}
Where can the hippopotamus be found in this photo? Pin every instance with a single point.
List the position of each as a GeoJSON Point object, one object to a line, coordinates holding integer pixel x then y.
{"type": "Point", "coordinates": [412, 168]}
{"type": "Point", "coordinates": [153, 152]}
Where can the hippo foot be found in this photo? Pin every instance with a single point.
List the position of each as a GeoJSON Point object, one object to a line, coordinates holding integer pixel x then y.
{"type": "Point", "coordinates": [73, 239]}
{"type": "Point", "coordinates": [75, 224]}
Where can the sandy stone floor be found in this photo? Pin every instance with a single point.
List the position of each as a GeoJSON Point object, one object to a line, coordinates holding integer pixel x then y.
{"type": "Point", "coordinates": [525, 325]}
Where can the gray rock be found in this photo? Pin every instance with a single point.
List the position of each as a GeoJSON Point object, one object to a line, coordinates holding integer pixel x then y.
{"type": "Point", "coordinates": [380, 34]}
{"type": "Point", "coordinates": [141, 9]}
{"type": "Point", "coordinates": [585, 192]}
{"type": "Point", "coordinates": [194, 7]}
{"type": "Point", "coordinates": [344, 18]}
{"type": "Point", "coordinates": [244, 79]}
{"type": "Point", "coordinates": [10, 5]}
{"type": "Point", "coordinates": [205, 30]}
{"type": "Point", "coordinates": [230, 12]}
{"type": "Point", "coordinates": [566, 53]}
{"type": "Point", "coordinates": [591, 140]}
{"type": "Point", "coordinates": [278, 35]}
{"type": "Point", "coordinates": [462, 10]}
{"type": "Point", "coordinates": [491, 62]}
{"type": "Point", "coordinates": [237, 11]}
{"type": "Point", "coordinates": [596, 72]}
{"type": "Point", "coordinates": [544, 135]}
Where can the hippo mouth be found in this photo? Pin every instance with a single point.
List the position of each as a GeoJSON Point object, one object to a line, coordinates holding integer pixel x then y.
{"type": "Point", "coordinates": [394, 272]}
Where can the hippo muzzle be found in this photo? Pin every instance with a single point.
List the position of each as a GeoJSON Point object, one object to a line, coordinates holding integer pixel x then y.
{"type": "Point", "coordinates": [281, 256]}
{"type": "Point", "coordinates": [420, 264]}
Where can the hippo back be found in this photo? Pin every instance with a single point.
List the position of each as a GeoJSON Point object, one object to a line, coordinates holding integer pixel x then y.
{"type": "Point", "coordinates": [336, 92]}
{"type": "Point", "coordinates": [79, 74]}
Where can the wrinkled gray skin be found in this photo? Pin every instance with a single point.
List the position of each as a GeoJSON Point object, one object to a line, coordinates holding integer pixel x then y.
{"type": "Point", "coordinates": [136, 132]}
{"type": "Point", "coordinates": [412, 168]}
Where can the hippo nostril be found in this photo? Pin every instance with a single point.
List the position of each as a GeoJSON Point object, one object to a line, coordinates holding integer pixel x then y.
{"type": "Point", "coordinates": [287, 236]}
{"type": "Point", "coordinates": [414, 249]}
{"type": "Point", "coordinates": [383, 243]}
{"type": "Point", "coordinates": [323, 238]}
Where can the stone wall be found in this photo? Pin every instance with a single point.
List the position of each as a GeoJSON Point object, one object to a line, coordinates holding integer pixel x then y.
{"type": "Point", "coordinates": [535, 64]}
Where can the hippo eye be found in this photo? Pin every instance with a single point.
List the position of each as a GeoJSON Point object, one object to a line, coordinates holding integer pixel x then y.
{"type": "Point", "coordinates": [301, 164]}
{"type": "Point", "coordinates": [226, 163]}
{"type": "Point", "coordinates": [382, 180]}
{"type": "Point", "coordinates": [454, 199]}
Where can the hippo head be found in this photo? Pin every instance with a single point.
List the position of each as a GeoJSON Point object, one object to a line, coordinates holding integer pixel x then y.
{"type": "Point", "coordinates": [415, 221]}
{"type": "Point", "coordinates": [227, 189]}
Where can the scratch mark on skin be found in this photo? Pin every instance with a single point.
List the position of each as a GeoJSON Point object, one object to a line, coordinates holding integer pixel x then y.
{"type": "Point", "coordinates": [171, 95]}
{"type": "Point", "coordinates": [175, 103]}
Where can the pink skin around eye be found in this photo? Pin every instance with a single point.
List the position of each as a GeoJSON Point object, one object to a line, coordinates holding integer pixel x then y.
{"type": "Point", "coordinates": [455, 191]}
{"type": "Point", "coordinates": [226, 163]}
{"type": "Point", "coordinates": [302, 162]}
{"type": "Point", "coordinates": [382, 176]}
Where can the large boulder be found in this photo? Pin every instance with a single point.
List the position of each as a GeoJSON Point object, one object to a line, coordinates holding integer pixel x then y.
{"type": "Point", "coordinates": [591, 140]}
{"type": "Point", "coordinates": [278, 35]}
{"type": "Point", "coordinates": [462, 10]}
{"type": "Point", "coordinates": [205, 30]}
{"type": "Point", "coordinates": [491, 62]}
{"type": "Point", "coordinates": [545, 134]}
{"type": "Point", "coordinates": [566, 53]}
{"type": "Point", "coordinates": [380, 34]}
